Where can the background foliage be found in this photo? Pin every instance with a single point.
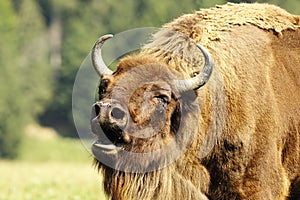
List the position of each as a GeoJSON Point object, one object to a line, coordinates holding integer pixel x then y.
{"type": "Point", "coordinates": [43, 43]}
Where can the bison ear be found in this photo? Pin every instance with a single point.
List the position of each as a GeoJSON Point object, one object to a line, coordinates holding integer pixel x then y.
{"type": "Point", "coordinates": [176, 118]}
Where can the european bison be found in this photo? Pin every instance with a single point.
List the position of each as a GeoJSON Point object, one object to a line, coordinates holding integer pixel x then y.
{"type": "Point", "coordinates": [177, 122]}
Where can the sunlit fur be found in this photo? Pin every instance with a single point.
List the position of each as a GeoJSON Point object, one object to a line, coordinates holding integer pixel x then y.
{"type": "Point", "coordinates": [251, 104]}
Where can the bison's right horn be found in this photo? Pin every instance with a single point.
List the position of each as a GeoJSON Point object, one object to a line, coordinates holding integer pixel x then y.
{"type": "Point", "coordinates": [199, 80]}
{"type": "Point", "coordinates": [97, 60]}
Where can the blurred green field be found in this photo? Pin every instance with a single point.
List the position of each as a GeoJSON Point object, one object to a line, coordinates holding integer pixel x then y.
{"type": "Point", "coordinates": [50, 168]}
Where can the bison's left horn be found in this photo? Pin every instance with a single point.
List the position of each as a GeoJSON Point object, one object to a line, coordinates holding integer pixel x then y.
{"type": "Point", "coordinates": [97, 60]}
{"type": "Point", "coordinates": [199, 80]}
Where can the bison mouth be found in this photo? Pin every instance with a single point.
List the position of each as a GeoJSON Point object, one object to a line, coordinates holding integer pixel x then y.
{"type": "Point", "coordinates": [112, 141]}
{"type": "Point", "coordinates": [107, 141]}
{"type": "Point", "coordinates": [110, 147]}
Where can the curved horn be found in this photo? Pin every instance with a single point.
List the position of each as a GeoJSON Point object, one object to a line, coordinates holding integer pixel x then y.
{"type": "Point", "coordinates": [97, 60]}
{"type": "Point", "coordinates": [199, 80]}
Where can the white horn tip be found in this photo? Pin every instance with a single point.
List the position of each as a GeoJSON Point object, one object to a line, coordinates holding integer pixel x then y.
{"type": "Point", "coordinates": [102, 39]}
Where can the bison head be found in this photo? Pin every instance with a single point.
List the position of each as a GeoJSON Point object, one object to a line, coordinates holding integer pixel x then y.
{"type": "Point", "coordinates": [145, 117]}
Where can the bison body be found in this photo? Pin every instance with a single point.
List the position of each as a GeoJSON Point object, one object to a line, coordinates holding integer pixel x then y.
{"type": "Point", "coordinates": [238, 126]}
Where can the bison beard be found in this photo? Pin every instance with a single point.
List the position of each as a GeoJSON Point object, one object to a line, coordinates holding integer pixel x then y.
{"type": "Point", "coordinates": [230, 134]}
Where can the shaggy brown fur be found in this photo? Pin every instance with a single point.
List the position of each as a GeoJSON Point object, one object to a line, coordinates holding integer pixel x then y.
{"type": "Point", "coordinates": [251, 104]}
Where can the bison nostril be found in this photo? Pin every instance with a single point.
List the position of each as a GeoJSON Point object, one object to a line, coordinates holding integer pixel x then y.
{"type": "Point", "coordinates": [97, 109]}
{"type": "Point", "coordinates": [117, 113]}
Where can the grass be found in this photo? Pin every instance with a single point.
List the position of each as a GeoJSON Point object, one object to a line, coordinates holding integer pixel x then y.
{"type": "Point", "coordinates": [51, 168]}
{"type": "Point", "coordinates": [55, 149]}
{"type": "Point", "coordinates": [44, 181]}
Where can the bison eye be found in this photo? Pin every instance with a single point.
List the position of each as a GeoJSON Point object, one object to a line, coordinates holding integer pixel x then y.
{"type": "Point", "coordinates": [160, 107]}
{"type": "Point", "coordinates": [102, 87]}
{"type": "Point", "coordinates": [162, 103]}
{"type": "Point", "coordinates": [163, 99]}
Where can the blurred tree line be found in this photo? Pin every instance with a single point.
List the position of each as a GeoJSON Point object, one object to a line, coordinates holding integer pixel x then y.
{"type": "Point", "coordinates": [43, 43]}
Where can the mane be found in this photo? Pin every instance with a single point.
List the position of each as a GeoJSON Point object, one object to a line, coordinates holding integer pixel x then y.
{"type": "Point", "coordinates": [206, 24]}
{"type": "Point", "coordinates": [175, 50]}
{"type": "Point", "coordinates": [175, 43]}
{"type": "Point", "coordinates": [264, 16]}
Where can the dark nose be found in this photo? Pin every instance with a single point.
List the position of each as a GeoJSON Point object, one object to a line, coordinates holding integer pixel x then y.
{"type": "Point", "coordinates": [110, 112]}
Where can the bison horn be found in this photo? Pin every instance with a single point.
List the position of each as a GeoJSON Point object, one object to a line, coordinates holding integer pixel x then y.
{"type": "Point", "coordinates": [199, 80]}
{"type": "Point", "coordinates": [97, 60]}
